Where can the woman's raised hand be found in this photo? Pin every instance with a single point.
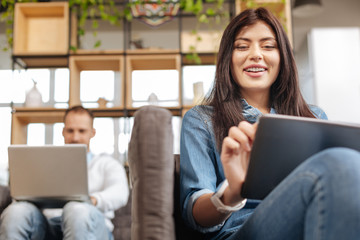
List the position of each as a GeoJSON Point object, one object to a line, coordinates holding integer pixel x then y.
{"type": "Point", "coordinates": [235, 155]}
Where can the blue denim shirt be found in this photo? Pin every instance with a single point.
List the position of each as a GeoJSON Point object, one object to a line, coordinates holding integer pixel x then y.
{"type": "Point", "coordinates": [201, 170]}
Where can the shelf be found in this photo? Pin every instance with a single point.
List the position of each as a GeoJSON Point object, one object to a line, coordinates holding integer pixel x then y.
{"type": "Point", "coordinates": [80, 63]}
{"type": "Point", "coordinates": [41, 34]}
{"type": "Point", "coordinates": [145, 51]}
{"type": "Point", "coordinates": [87, 52]}
{"type": "Point", "coordinates": [206, 59]}
{"type": "Point", "coordinates": [41, 61]}
{"type": "Point", "coordinates": [150, 62]}
{"type": "Point", "coordinates": [22, 116]}
{"type": "Point", "coordinates": [41, 28]}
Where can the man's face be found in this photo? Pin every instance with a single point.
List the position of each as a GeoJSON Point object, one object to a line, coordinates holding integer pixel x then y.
{"type": "Point", "coordinates": [78, 129]}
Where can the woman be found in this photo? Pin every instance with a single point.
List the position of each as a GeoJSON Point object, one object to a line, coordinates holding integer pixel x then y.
{"type": "Point", "coordinates": [256, 74]}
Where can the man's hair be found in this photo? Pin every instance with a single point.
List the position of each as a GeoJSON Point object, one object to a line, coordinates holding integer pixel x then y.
{"type": "Point", "coordinates": [81, 110]}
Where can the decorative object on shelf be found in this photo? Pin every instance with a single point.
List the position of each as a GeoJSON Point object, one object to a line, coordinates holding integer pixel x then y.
{"type": "Point", "coordinates": [198, 89]}
{"type": "Point", "coordinates": [153, 99]}
{"type": "Point", "coordinates": [33, 97]}
{"type": "Point", "coordinates": [137, 42]}
{"type": "Point", "coordinates": [154, 12]}
{"type": "Point", "coordinates": [102, 102]}
{"type": "Point", "coordinates": [307, 8]}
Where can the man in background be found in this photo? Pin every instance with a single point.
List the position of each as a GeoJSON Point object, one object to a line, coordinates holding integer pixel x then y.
{"type": "Point", "coordinates": [108, 188]}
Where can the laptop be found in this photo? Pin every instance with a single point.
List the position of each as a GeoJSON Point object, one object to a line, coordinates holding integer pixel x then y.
{"type": "Point", "coordinates": [284, 142]}
{"type": "Point", "coordinates": [48, 176]}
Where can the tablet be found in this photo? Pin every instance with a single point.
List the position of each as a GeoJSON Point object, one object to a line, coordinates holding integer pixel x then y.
{"type": "Point", "coordinates": [283, 142]}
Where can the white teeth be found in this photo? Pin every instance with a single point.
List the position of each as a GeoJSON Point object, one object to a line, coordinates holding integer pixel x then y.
{"type": "Point", "coordinates": [255, 69]}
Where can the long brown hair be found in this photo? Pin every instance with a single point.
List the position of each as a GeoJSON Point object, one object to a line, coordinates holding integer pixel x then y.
{"type": "Point", "coordinates": [225, 96]}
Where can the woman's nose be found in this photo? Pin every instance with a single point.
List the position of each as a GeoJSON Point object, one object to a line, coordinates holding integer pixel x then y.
{"type": "Point", "coordinates": [255, 54]}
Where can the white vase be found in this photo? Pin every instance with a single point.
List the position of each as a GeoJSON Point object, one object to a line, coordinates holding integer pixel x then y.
{"type": "Point", "coordinates": [198, 88]}
{"type": "Point", "coordinates": [33, 97]}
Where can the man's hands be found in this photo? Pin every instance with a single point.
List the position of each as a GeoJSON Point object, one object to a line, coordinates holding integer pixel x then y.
{"type": "Point", "coordinates": [235, 155]}
{"type": "Point", "coordinates": [93, 200]}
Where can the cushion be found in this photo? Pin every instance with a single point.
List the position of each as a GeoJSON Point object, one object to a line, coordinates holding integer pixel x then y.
{"type": "Point", "coordinates": [151, 164]}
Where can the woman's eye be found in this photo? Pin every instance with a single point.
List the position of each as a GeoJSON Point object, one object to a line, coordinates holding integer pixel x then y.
{"type": "Point", "coordinates": [241, 47]}
{"type": "Point", "coordinates": [269, 46]}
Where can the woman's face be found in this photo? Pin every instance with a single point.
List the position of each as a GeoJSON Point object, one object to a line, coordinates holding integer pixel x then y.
{"type": "Point", "coordinates": [255, 59]}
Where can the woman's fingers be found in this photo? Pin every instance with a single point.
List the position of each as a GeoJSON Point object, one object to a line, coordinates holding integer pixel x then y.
{"type": "Point", "coordinates": [244, 133]}
{"type": "Point", "coordinates": [230, 146]}
{"type": "Point", "coordinates": [248, 129]}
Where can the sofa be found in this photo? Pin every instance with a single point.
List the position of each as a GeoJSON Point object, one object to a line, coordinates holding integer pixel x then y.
{"type": "Point", "coordinates": [153, 209]}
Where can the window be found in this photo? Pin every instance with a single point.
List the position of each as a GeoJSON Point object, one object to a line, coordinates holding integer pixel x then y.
{"type": "Point", "coordinates": [155, 86]}
{"type": "Point", "coordinates": [192, 75]}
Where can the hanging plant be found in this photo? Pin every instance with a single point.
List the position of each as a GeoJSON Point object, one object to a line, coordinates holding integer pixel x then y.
{"type": "Point", "coordinates": [107, 10]}
{"type": "Point", "coordinates": [95, 10]}
{"type": "Point", "coordinates": [7, 16]}
{"type": "Point", "coordinates": [211, 13]}
{"type": "Point", "coordinates": [277, 8]}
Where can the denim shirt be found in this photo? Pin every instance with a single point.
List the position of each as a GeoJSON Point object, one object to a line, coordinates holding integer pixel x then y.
{"type": "Point", "coordinates": [201, 170]}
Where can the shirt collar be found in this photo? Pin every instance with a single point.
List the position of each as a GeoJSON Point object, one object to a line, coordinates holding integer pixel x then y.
{"type": "Point", "coordinates": [89, 157]}
{"type": "Point", "coordinates": [251, 113]}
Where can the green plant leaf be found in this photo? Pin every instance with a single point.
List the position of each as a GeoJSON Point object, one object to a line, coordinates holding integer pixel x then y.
{"type": "Point", "coordinates": [189, 5]}
{"type": "Point", "coordinates": [95, 24]}
{"type": "Point", "coordinates": [197, 59]}
{"type": "Point", "coordinates": [203, 18]}
{"type": "Point", "coordinates": [113, 19]}
{"type": "Point", "coordinates": [81, 32]}
{"type": "Point", "coordinates": [97, 44]}
{"type": "Point", "coordinates": [198, 7]}
{"type": "Point", "coordinates": [73, 48]}
{"type": "Point", "coordinates": [210, 12]}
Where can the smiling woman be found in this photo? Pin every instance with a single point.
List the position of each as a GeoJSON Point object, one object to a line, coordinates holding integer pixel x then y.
{"type": "Point", "coordinates": [256, 74]}
{"type": "Point", "coordinates": [255, 64]}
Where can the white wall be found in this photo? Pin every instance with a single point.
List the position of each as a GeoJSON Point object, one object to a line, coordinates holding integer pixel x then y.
{"type": "Point", "coordinates": [335, 58]}
{"type": "Point", "coordinates": [335, 14]}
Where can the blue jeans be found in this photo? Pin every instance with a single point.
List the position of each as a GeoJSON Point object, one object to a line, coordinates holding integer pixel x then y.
{"type": "Point", "coordinates": [319, 200]}
{"type": "Point", "coordinates": [23, 220]}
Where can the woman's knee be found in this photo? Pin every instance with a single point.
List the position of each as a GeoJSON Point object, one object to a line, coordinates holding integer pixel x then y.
{"type": "Point", "coordinates": [340, 159]}
{"type": "Point", "coordinates": [339, 166]}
